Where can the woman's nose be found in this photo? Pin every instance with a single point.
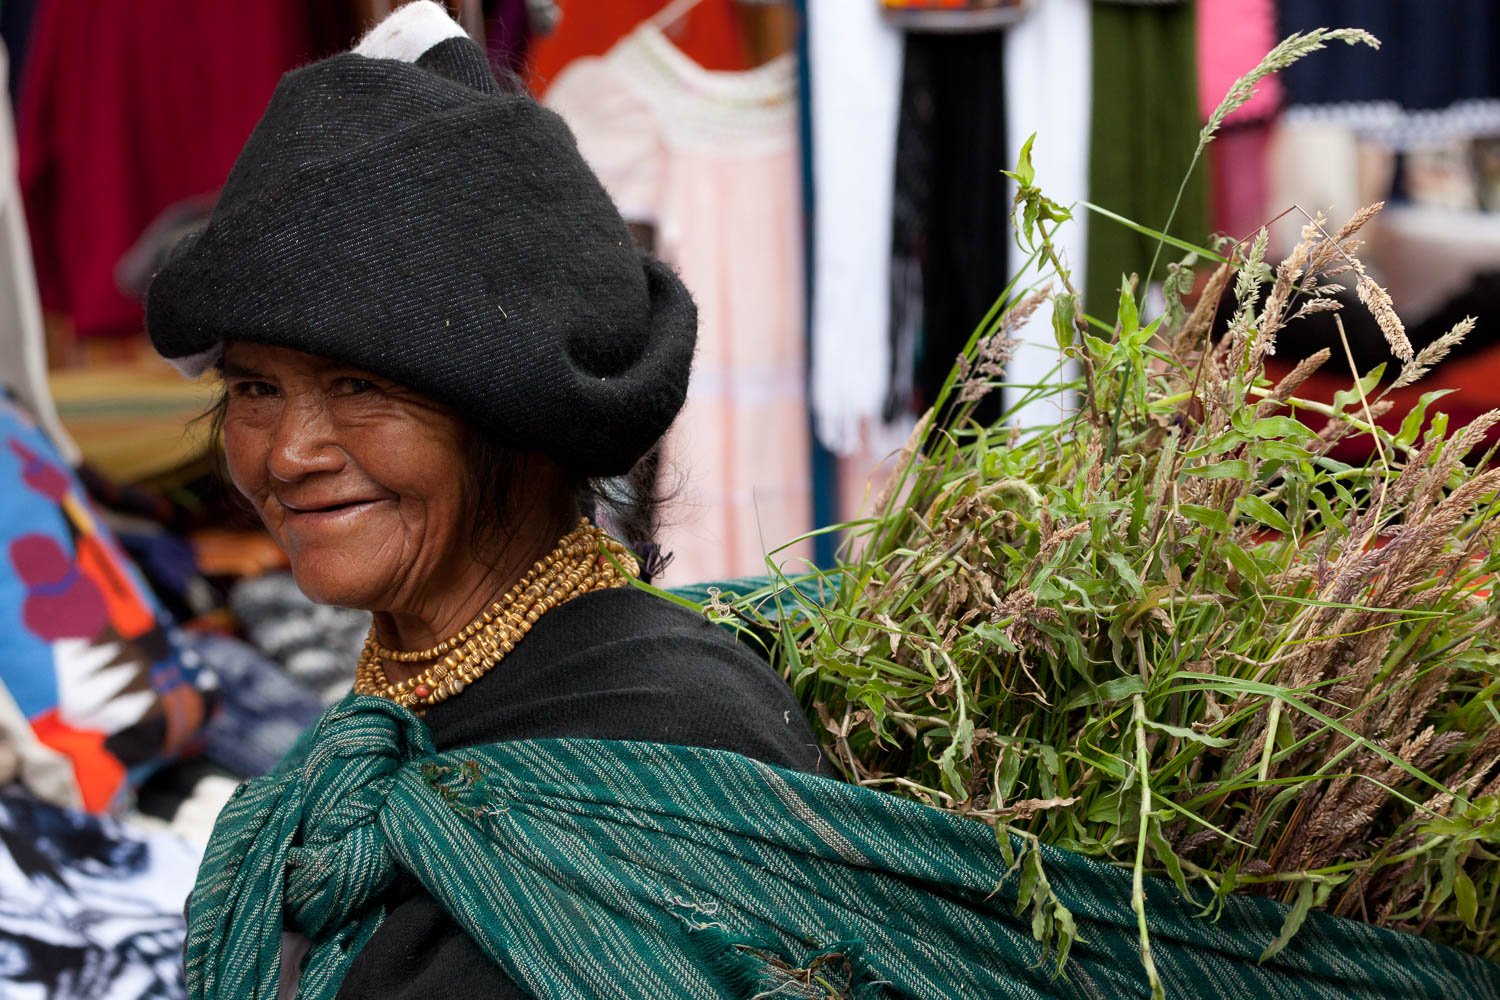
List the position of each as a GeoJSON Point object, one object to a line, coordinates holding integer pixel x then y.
{"type": "Point", "coordinates": [304, 442]}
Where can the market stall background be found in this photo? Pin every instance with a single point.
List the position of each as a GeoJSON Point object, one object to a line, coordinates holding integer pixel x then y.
{"type": "Point", "coordinates": [825, 175]}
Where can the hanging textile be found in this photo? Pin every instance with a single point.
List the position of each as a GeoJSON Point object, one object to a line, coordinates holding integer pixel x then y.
{"type": "Point", "coordinates": [15, 32]}
{"type": "Point", "coordinates": [950, 237]}
{"type": "Point", "coordinates": [1054, 107]}
{"type": "Point", "coordinates": [23, 341]}
{"type": "Point", "coordinates": [1233, 36]}
{"type": "Point", "coordinates": [1436, 75]}
{"type": "Point", "coordinates": [710, 161]}
{"type": "Point", "coordinates": [1145, 127]}
{"type": "Point", "coordinates": [854, 65]}
{"type": "Point", "coordinates": [709, 35]}
{"type": "Point", "coordinates": [126, 109]}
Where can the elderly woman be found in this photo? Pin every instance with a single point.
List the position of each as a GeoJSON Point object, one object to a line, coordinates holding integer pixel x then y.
{"type": "Point", "coordinates": [435, 336]}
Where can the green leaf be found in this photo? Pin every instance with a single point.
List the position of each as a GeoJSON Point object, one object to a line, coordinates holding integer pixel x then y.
{"type": "Point", "coordinates": [1280, 427]}
{"type": "Point", "coordinates": [1192, 735]}
{"type": "Point", "coordinates": [1129, 315]}
{"type": "Point", "coordinates": [1279, 451]}
{"type": "Point", "coordinates": [1411, 425]}
{"type": "Point", "coordinates": [1025, 173]}
{"type": "Point", "coordinates": [1467, 899]}
{"type": "Point", "coordinates": [1118, 689]}
{"type": "Point", "coordinates": [1222, 443]}
{"type": "Point", "coordinates": [1064, 314]}
{"type": "Point", "coordinates": [1309, 894]}
{"type": "Point", "coordinates": [1029, 214]}
{"type": "Point", "coordinates": [1263, 512]}
{"type": "Point", "coordinates": [1154, 234]}
{"type": "Point", "coordinates": [1127, 574]}
{"type": "Point", "coordinates": [1234, 468]}
{"type": "Point", "coordinates": [1169, 859]}
{"type": "Point", "coordinates": [1367, 384]}
{"type": "Point", "coordinates": [1209, 517]}
{"type": "Point", "coordinates": [1248, 566]}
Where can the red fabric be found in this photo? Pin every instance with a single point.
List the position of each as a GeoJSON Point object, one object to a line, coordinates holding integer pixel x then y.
{"type": "Point", "coordinates": [1240, 195]}
{"type": "Point", "coordinates": [125, 109]}
{"type": "Point", "coordinates": [1233, 36]}
{"type": "Point", "coordinates": [709, 34]}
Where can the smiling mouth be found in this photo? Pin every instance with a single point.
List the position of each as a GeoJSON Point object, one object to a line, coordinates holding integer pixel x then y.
{"type": "Point", "coordinates": [327, 509]}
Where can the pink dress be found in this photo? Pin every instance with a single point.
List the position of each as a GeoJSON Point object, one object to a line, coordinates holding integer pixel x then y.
{"type": "Point", "coordinates": [710, 160]}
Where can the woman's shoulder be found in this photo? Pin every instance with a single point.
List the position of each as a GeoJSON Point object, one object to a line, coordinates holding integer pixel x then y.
{"type": "Point", "coordinates": [625, 664]}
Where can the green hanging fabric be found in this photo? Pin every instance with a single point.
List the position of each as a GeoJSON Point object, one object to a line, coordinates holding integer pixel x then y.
{"type": "Point", "coordinates": [594, 869]}
{"type": "Point", "coordinates": [1144, 130]}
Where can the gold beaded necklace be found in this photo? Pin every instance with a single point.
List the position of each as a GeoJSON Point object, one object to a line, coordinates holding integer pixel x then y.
{"type": "Point", "coordinates": [580, 563]}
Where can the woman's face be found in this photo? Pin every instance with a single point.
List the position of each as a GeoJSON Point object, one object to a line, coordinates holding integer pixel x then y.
{"type": "Point", "coordinates": [361, 480]}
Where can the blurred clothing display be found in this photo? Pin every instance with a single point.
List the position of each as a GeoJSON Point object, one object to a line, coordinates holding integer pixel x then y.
{"type": "Point", "coordinates": [854, 70]}
{"type": "Point", "coordinates": [15, 33]}
{"type": "Point", "coordinates": [1055, 108]}
{"type": "Point", "coordinates": [709, 161]}
{"type": "Point", "coordinates": [126, 109]}
{"type": "Point", "coordinates": [1436, 76]}
{"type": "Point", "coordinates": [708, 34]}
{"type": "Point", "coordinates": [1145, 127]}
{"type": "Point", "coordinates": [262, 709]}
{"type": "Point", "coordinates": [1233, 36]}
{"type": "Point", "coordinates": [91, 909]}
{"type": "Point", "coordinates": [23, 340]}
{"type": "Point", "coordinates": [951, 203]}
{"type": "Point", "coordinates": [316, 644]}
{"type": "Point", "coordinates": [1432, 56]}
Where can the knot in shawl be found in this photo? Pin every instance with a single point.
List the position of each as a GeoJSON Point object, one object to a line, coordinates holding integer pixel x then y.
{"type": "Point", "coordinates": [343, 863]}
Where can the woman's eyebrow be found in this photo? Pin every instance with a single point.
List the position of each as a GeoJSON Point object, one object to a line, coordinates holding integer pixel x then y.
{"type": "Point", "coordinates": [234, 370]}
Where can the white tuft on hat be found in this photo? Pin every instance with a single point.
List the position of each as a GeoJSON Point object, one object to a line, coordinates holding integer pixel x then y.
{"type": "Point", "coordinates": [409, 32]}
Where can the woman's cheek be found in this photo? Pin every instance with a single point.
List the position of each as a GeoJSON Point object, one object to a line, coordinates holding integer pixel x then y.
{"type": "Point", "coordinates": [244, 453]}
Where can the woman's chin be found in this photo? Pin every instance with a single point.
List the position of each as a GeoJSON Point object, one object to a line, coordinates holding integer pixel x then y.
{"type": "Point", "coordinates": [322, 585]}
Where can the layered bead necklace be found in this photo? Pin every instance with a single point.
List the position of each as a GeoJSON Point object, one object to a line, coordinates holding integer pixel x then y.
{"type": "Point", "coordinates": [584, 560]}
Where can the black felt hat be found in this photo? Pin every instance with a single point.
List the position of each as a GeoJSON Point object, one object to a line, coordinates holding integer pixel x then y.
{"type": "Point", "coordinates": [413, 219]}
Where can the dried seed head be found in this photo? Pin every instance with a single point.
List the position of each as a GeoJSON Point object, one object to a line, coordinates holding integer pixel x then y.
{"type": "Point", "coordinates": [1434, 352]}
{"type": "Point", "coordinates": [1378, 301]}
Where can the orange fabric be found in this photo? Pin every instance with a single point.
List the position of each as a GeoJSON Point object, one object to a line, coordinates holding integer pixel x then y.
{"type": "Point", "coordinates": [710, 34]}
{"type": "Point", "coordinates": [99, 774]}
{"type": "Point", "coordinates": [128, 613]}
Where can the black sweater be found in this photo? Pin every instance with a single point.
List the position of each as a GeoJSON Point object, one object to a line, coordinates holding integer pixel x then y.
{"type": "Point", "coordinates": [614, 665]}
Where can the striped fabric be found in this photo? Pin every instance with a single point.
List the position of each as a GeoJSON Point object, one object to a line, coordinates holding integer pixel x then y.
{"type": "Point", "coordinates": [595, 869]}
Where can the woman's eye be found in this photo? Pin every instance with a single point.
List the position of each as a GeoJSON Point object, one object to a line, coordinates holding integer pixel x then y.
{"type": "Point", "coordinates": [356, 386]}
{"type": "Point", "coordinates": [251, 389]}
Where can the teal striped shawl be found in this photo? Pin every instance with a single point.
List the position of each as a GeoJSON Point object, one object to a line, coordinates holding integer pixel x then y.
{"type": "Point", "coordinates": [596, 869]}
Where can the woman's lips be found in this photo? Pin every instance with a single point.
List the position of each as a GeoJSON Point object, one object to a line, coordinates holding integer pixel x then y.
{"type": "Point", "coordinates": [330, 514]}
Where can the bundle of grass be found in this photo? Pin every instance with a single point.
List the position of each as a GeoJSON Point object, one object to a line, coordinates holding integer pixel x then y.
{"type": "Point", "coordinates": [1170, 631]}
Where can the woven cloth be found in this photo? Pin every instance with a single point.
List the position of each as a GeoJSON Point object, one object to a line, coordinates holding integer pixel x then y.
{"type": "Point", "coordinates": [596, 869]}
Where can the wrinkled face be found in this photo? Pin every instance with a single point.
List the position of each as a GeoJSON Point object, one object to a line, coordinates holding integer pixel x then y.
{"type": "Point", "coordinates": [361, 480]}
